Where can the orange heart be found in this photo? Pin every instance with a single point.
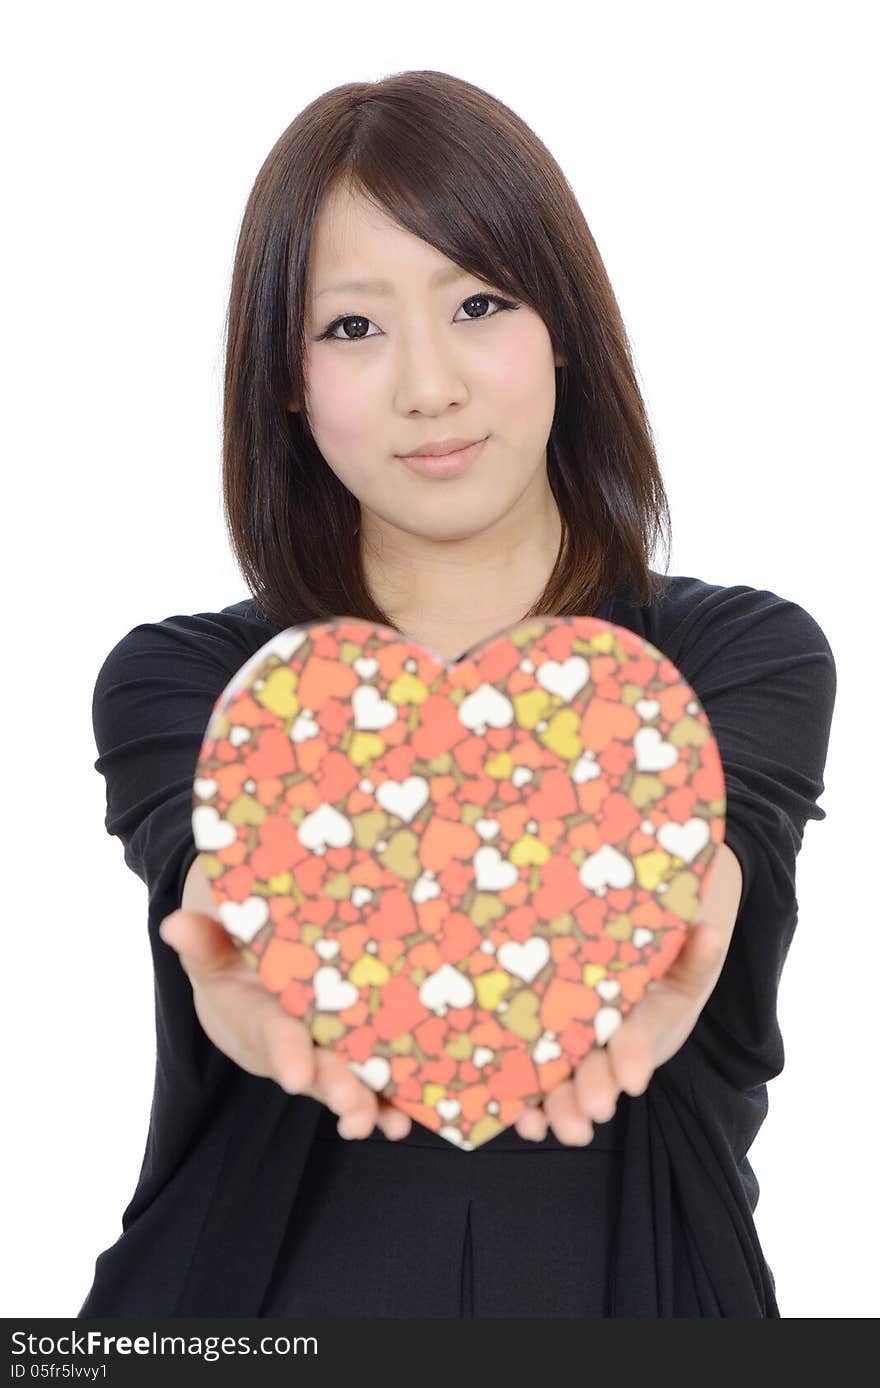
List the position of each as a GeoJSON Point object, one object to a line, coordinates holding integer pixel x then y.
{"type": "Point", "coordinates": [462, 876]}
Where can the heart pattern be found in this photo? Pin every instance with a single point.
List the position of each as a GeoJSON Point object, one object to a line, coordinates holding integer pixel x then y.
{"type": "Point", "coordinates": [462, 876]}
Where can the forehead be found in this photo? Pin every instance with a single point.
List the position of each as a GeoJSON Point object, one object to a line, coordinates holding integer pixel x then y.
{"type": "Point", "coordinates": [356, 245]}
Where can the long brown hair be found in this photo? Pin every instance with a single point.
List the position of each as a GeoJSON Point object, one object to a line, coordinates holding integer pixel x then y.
{"type": "Point", "coordinates": [457, 168]}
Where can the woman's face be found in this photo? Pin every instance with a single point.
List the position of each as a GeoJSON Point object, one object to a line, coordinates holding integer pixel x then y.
{"type": "Point", "coordinates": [426, 365]}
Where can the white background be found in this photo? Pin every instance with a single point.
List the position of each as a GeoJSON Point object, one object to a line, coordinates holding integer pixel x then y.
{"type": "Point", "coordinates": [723, 157]}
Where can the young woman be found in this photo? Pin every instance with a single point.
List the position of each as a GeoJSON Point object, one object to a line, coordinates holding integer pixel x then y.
{"type": "Point", "coordinates": [413, 272]}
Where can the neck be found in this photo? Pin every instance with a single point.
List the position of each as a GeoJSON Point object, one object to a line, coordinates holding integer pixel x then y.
{"type": "Point", "coordinates": [452, 593]}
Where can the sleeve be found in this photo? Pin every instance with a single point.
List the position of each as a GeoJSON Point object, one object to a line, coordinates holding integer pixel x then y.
{"type": "Point", "coordinates": [766, 677]}
{"type": "Point", "coordinates": [151, 705]}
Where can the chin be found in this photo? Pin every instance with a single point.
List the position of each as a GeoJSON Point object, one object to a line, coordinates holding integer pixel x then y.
{"type": "Point", "coordinates": [453, 527]}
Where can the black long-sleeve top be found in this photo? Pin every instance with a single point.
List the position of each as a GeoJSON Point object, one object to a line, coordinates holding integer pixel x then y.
{"type": "Point", "coordinates": [225, 1150]}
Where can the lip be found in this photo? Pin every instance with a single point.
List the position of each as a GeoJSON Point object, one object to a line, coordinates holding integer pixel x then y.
{"type": "Point", "coordinates": [439, 449]}
{"type": "Point", "coordinates": [444, 464]}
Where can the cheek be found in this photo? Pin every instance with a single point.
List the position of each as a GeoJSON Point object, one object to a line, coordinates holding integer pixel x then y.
{"type": "Point", "coordinates": [523, 381]}
{"type": "Point", "coordinates": [342, 406]}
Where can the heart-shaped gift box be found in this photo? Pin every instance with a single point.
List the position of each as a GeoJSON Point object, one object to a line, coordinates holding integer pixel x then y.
{"type": "Point", "coordinates": [459, 876]}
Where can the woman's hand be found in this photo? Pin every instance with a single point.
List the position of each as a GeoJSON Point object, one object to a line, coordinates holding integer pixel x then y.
{"type": "Point", "coordinates": [247, 1023]}
{"type": "Point", "coordinates": [653, 1030]}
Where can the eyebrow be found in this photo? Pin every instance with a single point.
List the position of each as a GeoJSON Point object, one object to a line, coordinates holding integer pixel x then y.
{"type": "Point", "coordinates": [437, 281]}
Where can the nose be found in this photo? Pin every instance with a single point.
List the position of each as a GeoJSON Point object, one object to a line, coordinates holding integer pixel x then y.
{"type": "Point", "coordinates": [430, 376]}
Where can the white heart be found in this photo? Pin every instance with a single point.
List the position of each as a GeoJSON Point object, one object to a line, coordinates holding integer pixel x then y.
{"type": "Point", "coordinates": [325, 826]}
{"type": "Point", "coordinates": [525, 959]}
{"type": "Point", "coordinates": [564, 679]}
{"type": "Point", "coordinates": [493, 872]}
{"type": "Point", "coordinates": [244, 918]}
{"type": "Point", "coordinates": [607, 988]}
{"type": "Point", "coordinates": [486, 707]}
{"type": "Point", "coordinates": [360, 896]}
{"type": "Point", "coordinates": [481, 1056]}
{"type": "Point", "coordinates": [304, 728]}
{"type": "Point", "coordinates": [285, 644]}
{"type": "Point", "coordinates": [642, 936]}
{"type": "Point", "coordinates": [366, 666]}
{"type": "Point", "coordinates": [606, 868]}
{"type": "Point", "coordinates": [648, 709]}
{"type": "Point", "coordinates": [210, 831]}
{"type": "Point", "coordinates": [204, 788]}
{"type": "Point", "coordinates": [455, 1135]}
{"type": "Point", "coordinates": [448, 1108]}
{"type": "Point", "coordinates": [333, 993]}
{"type": "Point", "coordinates": [376, 1072]}
{"type": "Point", "coordinates": [652, 753]}
{"type": "Point", "coordinates": [239, 735]}
{"type": "Point", "coordinates": [544, 1049]}
{"type": "Point", "coordinates": [605, 1023]}
{"type": "Point", "coordinates": [327, 948]}
{"type": "Point", "coordinates": [586, 769]}
{"type": "Point", "coordinates": [487, 828]}
{"type": "Point", "coordinates": [425, 889]}
{"type": "Point", "coordinates": [684, 841]}
{"type": "Point", "coordinates": [404, 798]}
{"type": "Point", "coordinates": [521, 776]}
{"type": "Point", "coordinates": [446, 987]}
{"type": "Point", "coordinates": [371, 711]}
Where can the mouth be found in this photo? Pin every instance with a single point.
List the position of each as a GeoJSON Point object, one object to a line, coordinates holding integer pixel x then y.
{"type": "Point", "coordinates": [443, 464]}
{"type": "Point", "coordinates": [439, 448]}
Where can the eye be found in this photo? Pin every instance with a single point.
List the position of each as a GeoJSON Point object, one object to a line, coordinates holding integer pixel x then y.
{"type": "Point", "coordinates": [330, 332]}
{"type": "Point", "coordinates": [495, 299]}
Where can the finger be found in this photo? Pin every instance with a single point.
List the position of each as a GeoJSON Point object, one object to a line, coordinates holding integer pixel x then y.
{"type": "Point", "coordinates": [359, 1107]}
{"type": "Point", "coordinates": [595, 1087]}
{"type": "Point", "coordinates": [345, 1094]}
{"type": "Point", "coordinates": [635, 1047]}
{"type": "Point", "coordinates": [660, 1023]}
{"type": "Point", "coordinates": [652, 1031]}
{"type": "Point", "coordinates": [568, 1121]}
{"type": "Point", "coordinates": [201, 942]}
{"type": "Point", "coordinates": [532, 1124]}
{"type": "Point", "coordinates": [394, 1123]}
{"type": "Point", "coordinates": [700, 960]}
{"type": "Point", "coordinates": [284, 1040]}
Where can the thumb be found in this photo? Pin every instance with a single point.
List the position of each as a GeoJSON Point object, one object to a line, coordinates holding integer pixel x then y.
{"type": "Point", "coordinates": [702, 957]}
{"type": "Point", "coordinates": [202, 943]}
